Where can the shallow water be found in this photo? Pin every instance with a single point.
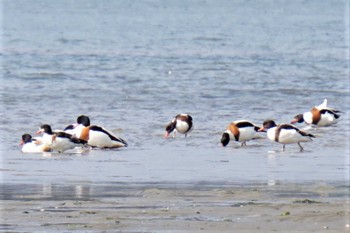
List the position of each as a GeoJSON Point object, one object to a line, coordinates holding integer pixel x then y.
{"type": "Point", "coordinates": [132, 66]}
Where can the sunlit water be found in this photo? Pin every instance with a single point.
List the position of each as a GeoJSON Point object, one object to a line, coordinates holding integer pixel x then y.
{"type": "Point", "coordinates": [132, 66]}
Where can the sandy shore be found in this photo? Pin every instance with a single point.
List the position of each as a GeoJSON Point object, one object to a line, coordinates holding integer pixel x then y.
{"type": "Point", "coordinates": [174, 208]}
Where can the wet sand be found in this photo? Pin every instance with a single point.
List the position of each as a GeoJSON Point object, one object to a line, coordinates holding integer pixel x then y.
{"type": "Point", "coordinates": [164, 207]}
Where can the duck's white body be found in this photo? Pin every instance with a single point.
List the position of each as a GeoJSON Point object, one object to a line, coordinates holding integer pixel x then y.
{"type": "Point", "coordinates": [59, 141]}
{"type": "Point", "coordinates": [46, 139]}
{"type": "Point", "coordinates": [327, 118]}
{"type": "Point", "coordinates": [319, 116]}
{"type": "Point", "coordinates": [59, 144]}
{"type": "Point", "coordinates": [286, 136]}
{"type": "Point", "coordinates": [183, 127]}
{"type": "Point", "coordinates": [102, 138]}
{"type": "Point", "coordinates": [33, 145]}
{"type": "Point", "coordinates": [285, 133]}
{"type": "Point", "coordinates": [97, 136]}
{"type": "Point", "coordinates": [62, 144]}
{"type": "Point", "coordinates": [181, 123]}
{"type": "Point", "coordinates": [241, 131]}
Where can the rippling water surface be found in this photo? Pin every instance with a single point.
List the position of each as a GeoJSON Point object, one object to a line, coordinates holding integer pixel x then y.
{"type": "Point", "coordinates": [133, 65]}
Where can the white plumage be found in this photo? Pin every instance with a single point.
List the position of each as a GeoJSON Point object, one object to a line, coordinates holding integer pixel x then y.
{"type": "Point", "coordinates": [285, 134]}
{"type": "Point", "coordinates": [30, 145]}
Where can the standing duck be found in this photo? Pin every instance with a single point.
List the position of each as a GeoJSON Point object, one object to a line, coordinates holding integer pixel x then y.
{"type": "Point", "coordinates": [285, 134]}
{"type": "Point", "coordinates": [318, 116]}
{"type": "Point", "coordinates": [181, 123]}
{"type": "Point", "coordinates": [58, 141]}
{"type": "Point", "coordinates": [97, 136]}
{"type": "Point", "coordinates": [240, 131]}
{"type": "Point", "coordinates": [31, 145]}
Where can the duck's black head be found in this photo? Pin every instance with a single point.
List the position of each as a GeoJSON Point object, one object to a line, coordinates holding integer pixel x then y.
{"type": "Point", "coordinates": [26, 138]}
{"type": "Point", "coordinates": [170, 128]}
{"type": "Point", "coordinates": [84, 120]}
{"type": "Point", "coordinates": [46, 128]}
{"type": "Point", "coordinates": [268, 124]}
{"type": "Point", "coordinates": [225, 139]}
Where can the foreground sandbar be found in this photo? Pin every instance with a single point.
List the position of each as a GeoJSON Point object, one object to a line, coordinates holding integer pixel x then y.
{"type": "Point", "coordinates": [163, 207]}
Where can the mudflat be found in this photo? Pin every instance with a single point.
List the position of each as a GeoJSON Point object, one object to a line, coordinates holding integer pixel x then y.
{"type": "Point", "coordinates": [164, 207]}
